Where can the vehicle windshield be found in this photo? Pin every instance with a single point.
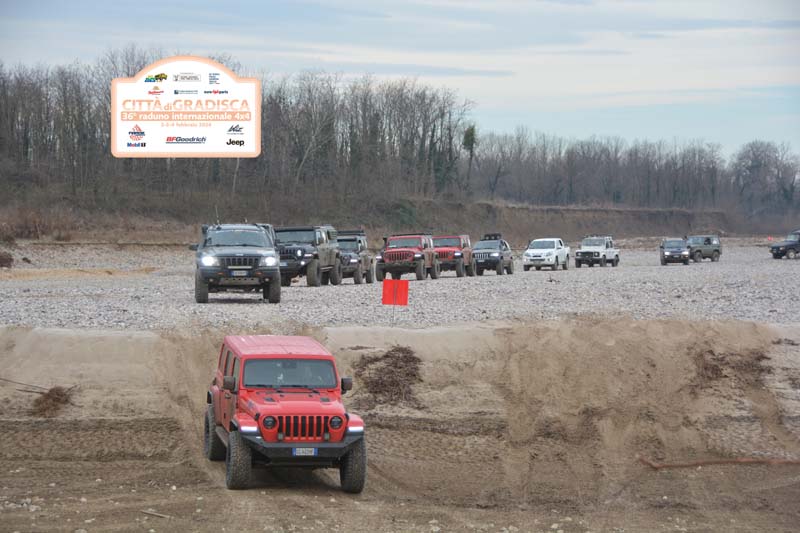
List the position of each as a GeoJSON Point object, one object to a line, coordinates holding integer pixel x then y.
{"type": "Point", "coordinates": [793, 237]}
{"type": "Point", "coordinates": [675, 243]}
{"type": "Point", "coordinates": [593, 241]}
{"type": "Point", "coordinates": [237, 237]}
{"type": "Point", "coordinates": [447, 241]}
{"type": "Point", "coordinates": [542, 245]}
{"type": "Point", "coordinates": [303, 236]}
{"type": "Point", "coordinates": [349, 246]}
{"type": "Point", "coordinates": [404, 242]}
{"type": "Point", "coordinates": [696, 240]}
{"type": "Point", "coordinates": [287, 373]}
{"type": "Point", "coordinates": [487, 245]}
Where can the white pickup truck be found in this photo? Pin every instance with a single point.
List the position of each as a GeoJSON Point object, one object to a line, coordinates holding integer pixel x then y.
{"type": "Point", "coordinates": [550, 252]}
{"type": "Point", "coordinates": [597, 250]}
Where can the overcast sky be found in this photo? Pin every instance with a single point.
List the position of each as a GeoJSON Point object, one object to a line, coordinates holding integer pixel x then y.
{"type": "Point", "coordinates": [726, 71]}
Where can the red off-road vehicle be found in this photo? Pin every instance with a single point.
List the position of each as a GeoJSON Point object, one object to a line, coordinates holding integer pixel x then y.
{"type": "Point", "coordinates": [455, 253]}
{"type": "Point", "coordinates": [405, 254]}
{"type": "Point", "coordinates": [277, 401]}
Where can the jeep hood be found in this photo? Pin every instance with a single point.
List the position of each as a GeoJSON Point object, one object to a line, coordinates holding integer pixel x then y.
{"type": "Point", "coordinates": [592, 248]}
{"type": "Point", "coordinates": [448, 248]}
{"type": "Point", "coordinates": [236, 251]}
{"type": "Point", "coordinates": [295, 403]}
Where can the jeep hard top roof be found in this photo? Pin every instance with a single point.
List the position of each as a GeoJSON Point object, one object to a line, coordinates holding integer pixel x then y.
{"type": "Point", "coordinates": [239, 227]}
{"type": "Point", "coordinates": [410, 235]}
{"type": "Point", "coordinates": [281, 345]}
{"type": "Point", "coordinates": [300, 228]}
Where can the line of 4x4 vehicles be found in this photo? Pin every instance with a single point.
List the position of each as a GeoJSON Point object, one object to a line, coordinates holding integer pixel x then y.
{"type": "Point", "coordinates": [277, 400]}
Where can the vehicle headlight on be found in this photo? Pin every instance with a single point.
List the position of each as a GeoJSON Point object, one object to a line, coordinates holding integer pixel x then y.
{"type": "Point", "coordinates": [685, 252]}
{"type": "Point", "coordinates": [309, 255]}
{"type": "Point", "coordinates": [336, 422]}
{"type": "Point", "coordinates": [417, 256]}
{"type": "Point", "coordinates": [354, 260]}
{"type": "Point", "coordinates": [299, 253]}
{"type": "Point", "coordinates": [270, 422]}
{"type": "Point", "coordinates": [209, 260]}
{"type": "Point", "coordinates": [378, 257]}
{"type": "Point", "coordinates": [495, 254]}
{"type": "Point", "coordinates": [268, 260]}
{"type": "Point", "coordinates": [666, 253]}
{"type": "Point", "coordinates": [457, 254]}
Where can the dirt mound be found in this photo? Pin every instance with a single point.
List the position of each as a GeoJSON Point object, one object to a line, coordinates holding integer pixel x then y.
{"type": "Point", "coordinates": [50, 402]}
{"type": "Point", "coordinates": [389, 378]}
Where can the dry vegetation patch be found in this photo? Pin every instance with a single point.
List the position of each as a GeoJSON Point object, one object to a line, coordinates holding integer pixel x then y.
{"type": "Point", "coordinates": [391, 376]}
{"type": "Point", "coordinates": [48, 404]}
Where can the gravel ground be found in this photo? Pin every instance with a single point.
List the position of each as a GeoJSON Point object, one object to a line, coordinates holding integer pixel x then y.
{"type": "Point", "coordinates": [106, 287]}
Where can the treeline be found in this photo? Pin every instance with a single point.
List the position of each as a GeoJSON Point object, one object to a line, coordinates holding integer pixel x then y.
{"type": "Point", "coordinates": [332, 142]}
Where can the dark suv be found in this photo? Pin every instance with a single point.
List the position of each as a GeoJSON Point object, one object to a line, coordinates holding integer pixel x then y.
{"type": "Point", "coordinates": [674, 250]}
{"type": "Point", "coordinates": [237, 257]}
{"type": "Point", "coordinates": [310, 251]}
{"type": "Point", "coordinates": [493, 253]}
{"type": "Point", "coordinates": [357, 262]}
{"type": "Point", "coordinates": [789, 247]}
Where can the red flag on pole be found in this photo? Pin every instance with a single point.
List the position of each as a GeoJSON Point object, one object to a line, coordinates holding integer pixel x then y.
{"type": "Point", "coordinates": [395, 292]}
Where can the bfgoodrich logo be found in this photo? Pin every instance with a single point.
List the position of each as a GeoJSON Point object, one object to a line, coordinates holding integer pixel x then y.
{"type": "Point", "coordinates": [186, 140]}
{"type": "Point", "coordinates": [233, 142]}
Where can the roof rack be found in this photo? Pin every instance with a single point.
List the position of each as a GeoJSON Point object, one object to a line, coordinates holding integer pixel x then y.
{"type": "Point", "coordinates": [492, 237]}
{"type": "Point", "coordinates": [344, 232]}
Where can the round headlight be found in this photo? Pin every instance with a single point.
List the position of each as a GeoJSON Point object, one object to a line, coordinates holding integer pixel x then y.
{"type": "Point", "coordinates": [299, 253]}
{"type": "Point", "coordinates": [336, 422]}
{"type": "Point", "coordinates": [269, 261]}
{"type": "Point", "coordinates": [269, 422]}
{"type": "Point", "coordinates": [208, 260]}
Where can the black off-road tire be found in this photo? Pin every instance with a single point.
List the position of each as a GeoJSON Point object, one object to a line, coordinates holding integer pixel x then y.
{"type": "Point", "coordinates": [419, 269]}
{"type": "Point", "coordinates": [603, 261]}
{"type": "Point", "coordinates": [436, 269]}
{"type": "Point", "coordinates": [313, 273]}
{"type": "Point", "coordinates": [526, 268]}
{"type": "Point", "coordinates": [714, 256]}
{"type": "Point", "coordinates": [565, 266]}
{"type": "Point", "coordinates": [200, 289]}
{"type": "Point", "coordinates": [336, 273]}
{"type": "Point", "coordinates": [479, 271]}
{"type": "Point", "coordinates": [510, 267]}
{"type": "Point", "coordinates": [460, 269]}
{"type": "Point", "coordinates": [370, 276]}
{"type": "Point", "coordinates": [238, 462]}
{"type": "Point", "coordinates": [353, 468]}
{"type": "Point", "coordinates": [555, 265]}
{"type": "Point", "coordinates": [791, 253]}
{"type": "Point", "coordinates": [615, 262]}
{"type": "Point", "coordinates": [471, 268]}
{"type": "Point", "coordinates": [358, 276]}
{"type": "Point", "coordinates": [213, 447]}
{"type": "Point", "coordinates": [272, 291]}
{"type": "Point", "coordinates": [698, 257]}
{"type": "Point", "coordinates": [379, 274]}
{"type": "Point", "coordinates": [498, 268]}
{"type": "Point", "coordinates": [286, 281]}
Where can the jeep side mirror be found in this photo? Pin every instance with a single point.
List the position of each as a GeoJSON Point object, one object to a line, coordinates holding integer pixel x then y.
{"type": "Point", "coordinates": [229, 383]}
{"type": "Point", "coordinates": [347, 384]}
{"type": "Point", "coordinates": [193, 247]}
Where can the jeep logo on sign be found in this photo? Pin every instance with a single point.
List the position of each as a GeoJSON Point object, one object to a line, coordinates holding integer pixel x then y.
{"type": "Point", "coordinates": [232, 142]}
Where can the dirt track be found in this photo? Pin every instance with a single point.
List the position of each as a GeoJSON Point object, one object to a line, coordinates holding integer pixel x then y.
{"type": "Point", "coordinates": [516, 425]}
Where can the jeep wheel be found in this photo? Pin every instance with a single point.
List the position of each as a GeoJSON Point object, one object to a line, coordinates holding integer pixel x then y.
{"type": "Point", "coordinates": [460, 268]}
{"type": "Point", "coordinates": [371, 273]}
{"type": "Point", "coordinates": [615, 262]}
{"type": "Point", "coordinates": [336, 273]}
{"type": "Point", "coordinates": [471, 268]}
{"type": "Point", "coordinates": [577, 264]}
{"type": "Point", "coordinates": [286, 281]}
{"type": "Point", "coordinates": [200, 289]}
{"type": "Point", "coordinates": [526, 268]}
{"type": "Point", "coordinates": [498, 268]}
{"type": "Point", "coordinates": [791, 253]}
{"type": "Point", "coordinates": [358, 276]}
{"type": "Point", "coordinates": [602, 261]}
{"type": "Point", "coordinates": [326, 278]}
{"type": "Point", "coordinates": [353, 468]}
{"type": "Point", "coordinates": [538, 269]}
{"type": "Point", "coordinates": [698, 257]}
{"type": "Point", "coordinates": [419, 270]}
{"type": "Point", "coordinates": [714, 256]}
{"type": "Point", "coordinates": [272, 291]}
{"type": "Point", "coordinates": [313, 273]}
{"type": "Point", "coordinates": [213, 447]}
{"type": "Point", "coordinates": [565, 266]}
{"type": "Point", "coordinates": [555, 265]}
{"type": "Point", "coordinates": [663, 262]}
{"type": "Point", "coordinates": [238, 462]}
{"type": "Point", "coordinates": [479, 271]}
{"type": "Point", "coordinates": [436, 269]}
{"type": "Point", "coordinates": [510, 267]}
{"type": "Point", "coordinates": [686, 262]}
{"type": "Point", "coordinates": [379, 275]}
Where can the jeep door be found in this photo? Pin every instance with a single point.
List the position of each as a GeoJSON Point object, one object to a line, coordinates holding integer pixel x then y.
{"type": "Point", "coordinates": [320, 241]}
{"type": "Point", "coordinates": [229, 398]}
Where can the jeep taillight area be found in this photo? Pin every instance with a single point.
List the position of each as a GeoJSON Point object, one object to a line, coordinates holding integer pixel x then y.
{"type": "Point", "coordinates": [277, 401]}
{"type": "Point", "coordinates": [405, 254]}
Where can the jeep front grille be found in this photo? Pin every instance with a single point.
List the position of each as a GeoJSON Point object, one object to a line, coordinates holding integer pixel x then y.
{"type": "Point", "coordinates": [398, 256]}
{"type": "Point", "coordinates": [446, 256]}
{"type": "Point", "coordinates": [303, 427]}
{"type": "Point", "coordinates": [248, 262]}
{"type": "Point", "coordinates": [482, 255]}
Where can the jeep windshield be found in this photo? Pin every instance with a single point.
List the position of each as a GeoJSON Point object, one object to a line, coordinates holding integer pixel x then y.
{"type": "Point", "coordinates": [697, 241]}
{"type": "Point", "coordinates": [593, 242]}
{"type": "Point", "coordinates": [305, 236]}
{"type": "Point", "coordinates": [675, 244]}
{"type": "Point", "coordinates": [449, 241]}
{"type": "Point", "coordinates": [405, 242]}
{"type": "Point", "coordinates": [348, 246]}
{"type": "Point", "coordinates": [237, 238]}
{"type": "Point", "coordinates": [487, 245]}
{"type": "Point", "coordinates": [542, 245]}
{"type": "Point", "coordinates": [289, 373]}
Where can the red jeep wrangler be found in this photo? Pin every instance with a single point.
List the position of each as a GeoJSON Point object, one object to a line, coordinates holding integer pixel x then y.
{"type": "Point", "coordinates": [278, 401]}
{"type": "Point", "coordinates": [407, 253]}
{"type": "Point", "coordinates": [455, 253]}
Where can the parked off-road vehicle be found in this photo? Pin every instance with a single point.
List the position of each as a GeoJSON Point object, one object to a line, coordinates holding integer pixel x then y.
{"type": "Point", "coordinates": [455, 253]}
{"type": "Point", "coordinates": [405, 254]}
{"type": "Point", "coordinates": [789, 247]}
{"type": "Point", "coordinates": [277, 401]}
{"type": "Point", "coordinates": [239, 258]}
{"type": "Point", "coordinates": [493, 253]}
{"type": "Point", "coordinates": [310, 251]}
{"type": "Point", "coordinates": [597, 250]}
{"type": "Point", "coordinates": [704, 247]}
{"type": "Point", "coordinates": [357, 261]}
{"type": "Point", "coordinates": [550, 251]}
{"type": "Point", "coordinates": [674, 250]}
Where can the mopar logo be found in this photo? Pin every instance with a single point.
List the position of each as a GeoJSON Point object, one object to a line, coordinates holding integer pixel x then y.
{"type": "Point", "coordinates": [232, 142]}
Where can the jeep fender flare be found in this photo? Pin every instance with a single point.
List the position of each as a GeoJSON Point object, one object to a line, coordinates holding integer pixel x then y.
{"type": "Point", "coordinates": [355, 424]}
{"type": "Point", "coordinates": [244, 423]}
{"type": "Point", "coordinates": [209, 397]}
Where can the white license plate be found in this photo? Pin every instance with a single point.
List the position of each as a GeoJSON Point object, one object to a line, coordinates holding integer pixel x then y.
{"type": "Point", "coordinates": [304, 452]}
{"type": "Point", "coordinates": [283, 263]}
{"type": "Point", "coordinates": [239, 273]}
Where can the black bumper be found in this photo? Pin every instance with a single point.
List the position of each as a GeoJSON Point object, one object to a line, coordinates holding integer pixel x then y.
{"type": "Point", "coordinates": [491, 262]}
{"type": "Point", "coordinates": [282, 453]}
{"type": "Point", "coordinates": [676, 259]}
{"type": "Point", "coordinates": [224, 277]}
{"type": "Point", "coordinates": [293, 267]}
{"type": "Point", "coordinates": [398, 266]}
{"type": "Point", "coordinates": [450, 264]}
